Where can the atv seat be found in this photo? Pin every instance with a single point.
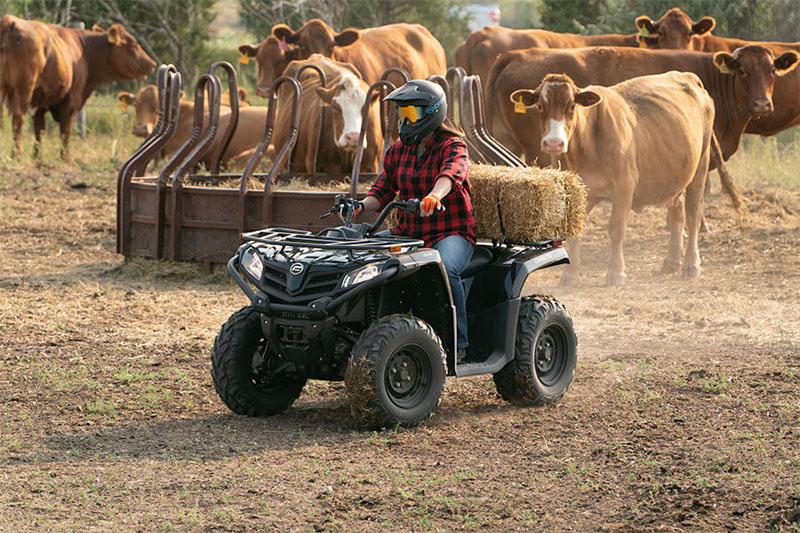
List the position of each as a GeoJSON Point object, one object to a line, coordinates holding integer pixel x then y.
{"type": "Point", "coordinates": [481, 257]}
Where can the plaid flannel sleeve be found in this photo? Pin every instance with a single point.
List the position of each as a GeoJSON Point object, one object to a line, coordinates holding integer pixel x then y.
{"type": "Point", "coordinates": [385, 187]}
{"type": "Point", "coordinates": [455, 162]}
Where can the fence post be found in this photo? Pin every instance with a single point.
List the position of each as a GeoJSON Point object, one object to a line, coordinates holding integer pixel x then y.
{"type": "Point", "coordinates": [80, 119]}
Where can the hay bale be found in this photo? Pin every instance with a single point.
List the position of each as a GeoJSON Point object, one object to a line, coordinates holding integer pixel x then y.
{"type": "Point", "coordinates": [537, 203]}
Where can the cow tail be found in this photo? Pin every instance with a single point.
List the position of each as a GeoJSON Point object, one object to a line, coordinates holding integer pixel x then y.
{"type": "Point", "coordinates": [728, 185]}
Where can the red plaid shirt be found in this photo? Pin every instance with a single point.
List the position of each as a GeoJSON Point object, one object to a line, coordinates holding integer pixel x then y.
{"type": "Point", "coordinates": [412, 177]}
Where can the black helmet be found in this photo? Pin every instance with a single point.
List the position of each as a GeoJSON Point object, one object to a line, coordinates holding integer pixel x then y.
{"type": "Point", "coordinates": [429, 98]}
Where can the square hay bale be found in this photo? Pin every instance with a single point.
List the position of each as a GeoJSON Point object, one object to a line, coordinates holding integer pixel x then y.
{"type": "Point", "coordinates": [537, 203]}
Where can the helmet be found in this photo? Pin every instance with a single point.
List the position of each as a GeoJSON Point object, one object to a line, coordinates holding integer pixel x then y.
{"type": "Point", "coordinates": [421, 108]}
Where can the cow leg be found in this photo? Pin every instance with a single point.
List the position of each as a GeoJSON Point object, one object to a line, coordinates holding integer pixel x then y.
{"type": "Point", "coordinates": [572, 272]}
{"type": "Point", "coordinates": [620, 208]}
{"type": "Point", "coordinates": [694, 216]}
{"type": "Point", "coordinates": [17, 121]}
{"type": "Point", "coordinates": [66, 116]}
{"type": "Point", "coordinates": [39, 126]}
{"type": "Point", "coordinates": [676, 219]}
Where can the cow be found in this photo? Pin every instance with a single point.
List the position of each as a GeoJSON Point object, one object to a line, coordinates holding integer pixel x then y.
{"type": "Point", "coordinates": [481, 47]}
{"type": "Point", "coordinates": [643, 141]}
{"type": "Point", "coordinates": [338, 107]}
{"type": "Point", "coordinates": [371, 51]}
{"type": "Point", "coordinates": [145, 104]}
{"type": "Point", "coordinates": [51, 68]}
{"type": "Point", "coordinates": [677, 30]}
{"type": "Point", "coordinates": [249, 127]}
{"type": "Point", "coordinates": [740, 82]}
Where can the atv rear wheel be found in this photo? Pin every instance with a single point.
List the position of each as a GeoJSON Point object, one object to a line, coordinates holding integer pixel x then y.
{"type": "Point", "coordinates": [396, 374]}
{"type": "Point", "coordinates": [545, 354]}
{"type": "Point", "coordinates": [249, 377]}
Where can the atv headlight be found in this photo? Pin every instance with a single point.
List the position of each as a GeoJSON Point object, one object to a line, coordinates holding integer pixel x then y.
{"type": "Point", "coordinates": [252, 264]}
{"type": "Point", "coordinates": [361, 275]}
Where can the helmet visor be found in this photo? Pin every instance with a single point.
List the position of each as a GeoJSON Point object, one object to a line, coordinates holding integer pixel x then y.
{"type": "Point", "coordinates": [410, 113]}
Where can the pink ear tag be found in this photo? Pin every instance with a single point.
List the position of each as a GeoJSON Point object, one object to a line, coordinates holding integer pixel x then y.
{"type": "Point", "coordinates": [282, 45]}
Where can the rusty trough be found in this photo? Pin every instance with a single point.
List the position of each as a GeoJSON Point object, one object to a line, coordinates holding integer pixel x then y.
{"type": "Point", "coordinates": [166, 215]}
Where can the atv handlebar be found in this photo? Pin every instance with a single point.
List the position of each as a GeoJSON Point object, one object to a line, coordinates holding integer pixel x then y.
{"type": "Point", "coordinates": [347, 208]}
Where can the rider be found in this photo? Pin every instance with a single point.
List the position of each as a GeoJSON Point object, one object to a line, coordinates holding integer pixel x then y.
{"type": "Point", "coordinates": [430, 162]}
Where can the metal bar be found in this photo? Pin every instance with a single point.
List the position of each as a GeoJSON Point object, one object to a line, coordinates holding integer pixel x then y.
{"type": "Point", "coordinates": [355, 173]}
{"type": "Point", "coordinates": [323, 82]}
{"type": "Point", "coordinates": [233, 94]}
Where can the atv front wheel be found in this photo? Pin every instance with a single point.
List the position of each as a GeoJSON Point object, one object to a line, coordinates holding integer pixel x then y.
{"type": "Point", "coordinates": [396, 375]}
{"type": "Point", "coordinates": [249, 377]}
{"type": "Point", "coordinates": [545, 354]}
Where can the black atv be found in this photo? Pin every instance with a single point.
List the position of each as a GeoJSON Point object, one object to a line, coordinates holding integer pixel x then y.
{"type": "Point", "coordinates": [377, 312]}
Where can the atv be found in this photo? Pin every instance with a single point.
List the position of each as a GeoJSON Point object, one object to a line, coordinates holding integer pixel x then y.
{"type": "Point", "coordinates": [377, 312]}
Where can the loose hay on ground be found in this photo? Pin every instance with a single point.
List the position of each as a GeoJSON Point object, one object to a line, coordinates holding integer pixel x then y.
{"type": "Point", "coordinates": [536, 203]}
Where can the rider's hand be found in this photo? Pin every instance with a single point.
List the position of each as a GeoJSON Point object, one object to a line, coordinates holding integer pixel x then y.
{"type": "Point", "coordinates": [428, 205]}
{"type": "Point", "coordinates": [358, 207]}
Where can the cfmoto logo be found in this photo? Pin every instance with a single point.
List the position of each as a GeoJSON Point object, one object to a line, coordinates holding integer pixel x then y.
{"type": "Point", "coordinates": [297, 268]}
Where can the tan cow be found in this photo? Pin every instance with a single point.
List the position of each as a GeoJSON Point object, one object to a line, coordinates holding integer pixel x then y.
{"type": "Point", "coordinates": [145, 103]}
{"type": "Point", "coordinates": [249, 128]}
{"type": "Point", "coordinates": [641, 142]}
{"type": "Point", "coordinates": [51, 68]}
{"type": "Point", "coordinates": [372, 51]}
{"type": "Point", "coordinates": [341, 116]}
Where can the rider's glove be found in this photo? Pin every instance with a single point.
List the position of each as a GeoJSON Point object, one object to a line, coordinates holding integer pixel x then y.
{"type": "Point", "coordinates": [429, 204]}
{"type": "Point", "coordinates": [358, 207]}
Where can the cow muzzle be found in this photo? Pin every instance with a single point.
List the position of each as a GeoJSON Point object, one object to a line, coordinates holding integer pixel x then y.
{"type": "Point", "coordinates": [263, 92]}
{"type": "Point", "coordinates": [760, 106]}
{"type": "Point", "coordinates": [554, 146]}
{"type": "Point", "coordinates": [142, 130]}
{"type": "Point", "coordinates": [350, 141]}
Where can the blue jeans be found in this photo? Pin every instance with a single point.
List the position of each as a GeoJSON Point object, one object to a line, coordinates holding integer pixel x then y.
{"type": "Point", "coordinates": [456, 251]}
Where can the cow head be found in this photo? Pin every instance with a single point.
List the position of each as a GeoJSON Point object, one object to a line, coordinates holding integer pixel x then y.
{"type": "Point", "coordinates": [315, 37]}
{"type": "Point", "coordinates": [557, 99]}
{"type": "Point", "coordinates": [272, 56]}
{"type": "Point", "coordinates": [146, 104]}
{"type": "Point", "coordinates": [127, 58]}
{"type": "Point", "coordinates": [346, 99]}
{"type": "Point", "coordinates": [674, 30]}
{"type": "Point", "coordinates": [754, 69]}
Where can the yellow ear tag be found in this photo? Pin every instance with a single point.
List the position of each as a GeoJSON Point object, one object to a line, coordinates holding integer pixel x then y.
{"type": "Point", "coordinates": [724, 68]}
{"type": "Point", "coordinates": [644, 32]}
{"type": "Point", "coordinates": [519, 107]}
{"type": "Point", "coordinates": [244, 59]}
{"type": "Point", "coordinates": [123, 105]}
{"type": "Point", "coordinates": [642, 44]}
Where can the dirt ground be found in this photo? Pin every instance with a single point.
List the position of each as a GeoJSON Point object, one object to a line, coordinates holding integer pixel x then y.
{"type": "Point", "coordinates": [684, 414]}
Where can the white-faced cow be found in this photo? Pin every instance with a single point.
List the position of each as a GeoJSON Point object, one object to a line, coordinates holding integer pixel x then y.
{"type": "Point", "coordinates": [51, 68]}
{"type": "Point", "coordinates": [371, 51]}
{"type": "Point", "coordinates": [641, 142]}
{"type": "Point", "coordinates": [341, 116]}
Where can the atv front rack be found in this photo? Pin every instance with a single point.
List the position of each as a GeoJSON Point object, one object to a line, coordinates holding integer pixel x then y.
{"type": "Point", "coordinates": [305, 239]}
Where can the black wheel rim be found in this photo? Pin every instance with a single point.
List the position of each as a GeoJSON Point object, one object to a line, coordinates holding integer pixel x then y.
{"type": "Point", "coordinates": [263, 367]}
{"type": "Point", "coordinates": [550, 355]}
{"type": "Point", "coordinates": [408, 376]}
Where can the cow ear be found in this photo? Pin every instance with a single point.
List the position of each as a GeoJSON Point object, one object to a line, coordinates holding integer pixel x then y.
{"type": "Point", "coordinates": [242, 92]}
{"type": "Point", "coordinates": [248, 50]}
{"type": "Point", "coordinates": [646, 26]}
{"type": "Point", "coordinates": [285, 33]}
{"type": "Point", "coordinates": [587, 98]}
{"type": "Point", "coordinates": [326, 95]}
{"type": "Point", "coordinates": [114, 35]}
{"type": "Point", "coordinates": [347, 37]}
{"type": "Point", "coordinates": [183, 94]}
{"type": "Point", "coordinates": [125, 99]}
{"type": "Point", "coordinates": [98, 27]}
{"type": "Point", "coordinates": [725, 62]}
{"type": "Point", "coordinates": [786, 62]}
{"type": "Point", "coordinates": [703, 26]}
{"type": "Point", "coordinates": [524, 99]}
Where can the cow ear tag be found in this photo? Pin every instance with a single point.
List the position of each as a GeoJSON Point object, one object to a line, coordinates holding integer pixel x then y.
{"type": "Point", "coordinates": [519, 107]}
{"type": "Point", "coordinates": [244, 59]}
{"type": "Point", "coordinates": [724, 68]}
{"type": "Point", "coordinates": [644, 32]}
{"type": "Point", "coordinates": [284, 47]}
{"type": "Point", "coordinates": [123, 105]}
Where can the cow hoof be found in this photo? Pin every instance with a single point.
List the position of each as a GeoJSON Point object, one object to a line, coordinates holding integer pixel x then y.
{"type": "Point", "coordinates": [704, 228]}
{"type": "Point", "coordinates": [613, 280]}
{"type": "Point", "coordinates": [670, 267]}
{"type": "Point", "coordinates": [692, 272]}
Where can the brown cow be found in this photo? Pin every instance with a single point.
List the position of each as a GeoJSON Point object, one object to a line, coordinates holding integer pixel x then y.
{"type": "Point", "coordinates": [249, 128]}
{"type": "Point", "coordinates": [49, 67]}
{"type": "Point", "coordinates": [340, 114]}
{"type": "Point", "coordinates": [677, 30]}
{"type": "Point", "coordinates": [145, 103]}
{"type": "Point", "coordinates": [740, 83]}
{"type": "Point", "coordinates": [641, 142]}
{"type": "Point", "coordinates": [372, 51]}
